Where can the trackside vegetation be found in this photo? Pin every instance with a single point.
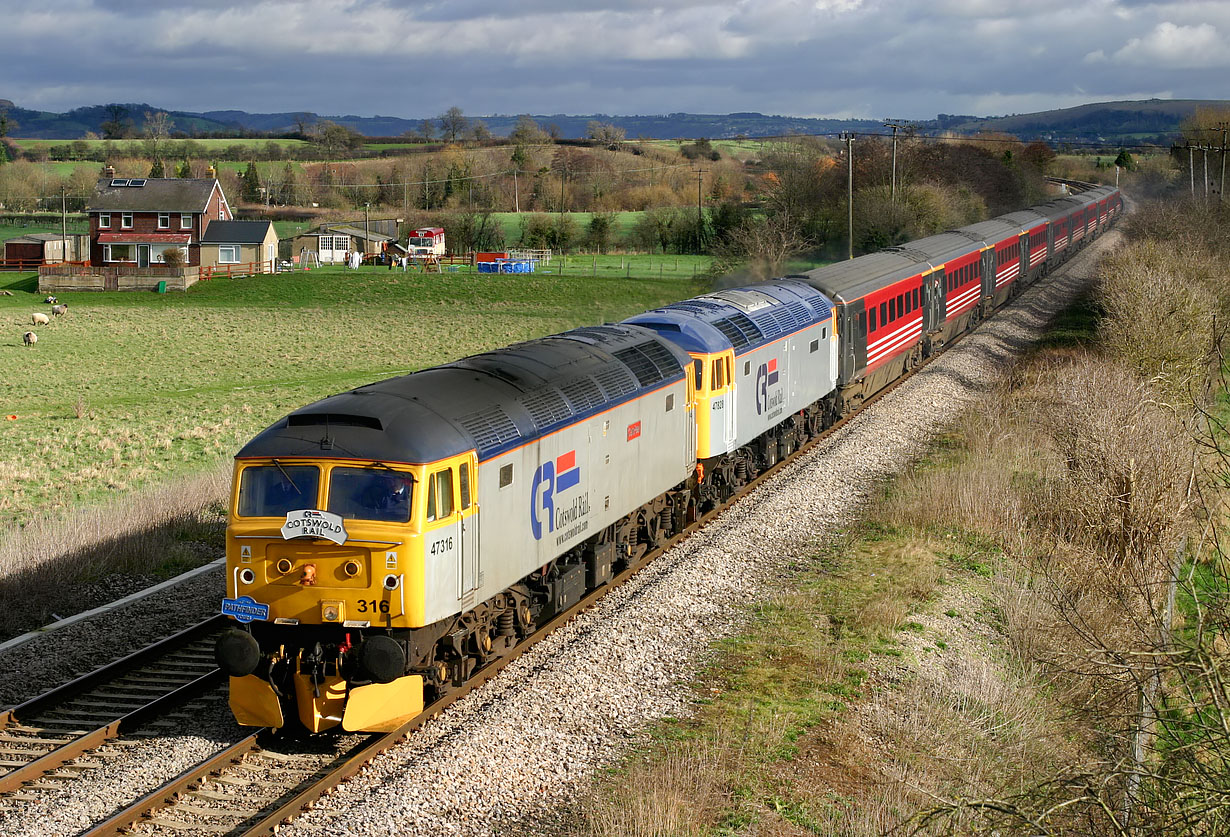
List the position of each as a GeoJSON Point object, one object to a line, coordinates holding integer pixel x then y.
{"type": "Point", "coordinates": [1025, 633]}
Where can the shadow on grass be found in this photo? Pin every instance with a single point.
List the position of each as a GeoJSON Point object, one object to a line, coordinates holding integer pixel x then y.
{"type": "Point", "coordinates": [61, 585]}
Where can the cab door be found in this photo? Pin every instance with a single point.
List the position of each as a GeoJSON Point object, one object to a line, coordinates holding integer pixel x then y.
{"type": "Point", "coordinates": [469, 571]}
{"type": "Point", "coordinates": [721, 377]}
{"type": "Point", "coordinates": [442, 523]}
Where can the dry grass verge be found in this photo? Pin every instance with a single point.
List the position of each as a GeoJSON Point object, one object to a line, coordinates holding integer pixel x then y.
{"type": "Point", "coordinates": [54, 567]}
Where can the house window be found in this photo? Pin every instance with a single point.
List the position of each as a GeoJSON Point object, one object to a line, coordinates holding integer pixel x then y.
{"type": "Point", "coordinates": [228, 254]}
{"type": "Point", "coordinates": [185, 222]}
{"type": "Point", "coordinates": [164, 220]}
{"type": "Point", "coordinates": [119, 253]}
{"type": "Point", "coordinates": [126, 221]}
{"type": "Point", "coordinates": [104, 220]}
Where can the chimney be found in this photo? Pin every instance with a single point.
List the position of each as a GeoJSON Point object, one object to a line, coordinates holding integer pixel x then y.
{"type": "Point", "coordinates": [211, 173]}
{"type": "Point", "coordinates": [109, 172]}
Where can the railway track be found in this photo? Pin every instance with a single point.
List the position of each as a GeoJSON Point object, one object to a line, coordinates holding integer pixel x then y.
{"type": "Point", "coordinates": [42, 739]}
{"type": "Point", "coordinates": [263, 781]}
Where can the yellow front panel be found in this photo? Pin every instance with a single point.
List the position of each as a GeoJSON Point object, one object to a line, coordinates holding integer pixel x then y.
{"type": "Point", "coordinates": [705, 394]}
{"type": "Point", "coordinates": [295, 576]}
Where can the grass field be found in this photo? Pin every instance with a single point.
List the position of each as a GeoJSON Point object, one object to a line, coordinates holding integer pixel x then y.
{"type": "Point", "coordinates": [133, 389]}
{"type": "Point", "coordinates": [8, 231]}
{"type": "Point", "coordinates": [135, 147]}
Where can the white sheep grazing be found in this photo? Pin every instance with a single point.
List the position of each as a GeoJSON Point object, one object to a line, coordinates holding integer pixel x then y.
{"type": "Point", "coordinates": [39, 319]}
{"type": "Point", "coordinates": [29, 338]}
{"type": "Point", "coordinates": [51, 300]}
{"type": "Point", "coordinates": [62, 308]}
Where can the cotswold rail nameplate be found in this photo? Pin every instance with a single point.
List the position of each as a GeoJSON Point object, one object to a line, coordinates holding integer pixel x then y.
{"type": "Point", "coordinates": [310, 523]}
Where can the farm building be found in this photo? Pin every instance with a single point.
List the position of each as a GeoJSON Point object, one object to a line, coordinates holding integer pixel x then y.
{"type": "Point", "coordinates": [331, 242]}
{"type": "Point", "coordinates": [46, 248]}
{"type": "Point", "coordinates": [252, 243]}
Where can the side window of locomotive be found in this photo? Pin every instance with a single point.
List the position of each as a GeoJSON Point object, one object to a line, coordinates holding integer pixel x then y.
{"type": "Point", "coordinates": [814, 347]}
{"type": "Point", "coordinates": [463, 480]}
{"type": "Point", "coordinates": [272, 491]}
{"type": "Point", "coordinates": [719, 374]}
{"type": "Point", "coordinates": [440, 495]}
{"type": "Point", "coordinates": [371, 494]}
{"type": "Point", "coordinates": [506, 476]}
{"type": "Point", "coordinates": [670, 402]}
{"type": "Point", "coordinates": [699, 367]}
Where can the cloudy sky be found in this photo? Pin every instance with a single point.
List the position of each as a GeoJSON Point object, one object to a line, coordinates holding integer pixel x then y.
{"type": "Point", "coordinates": [865, 58]}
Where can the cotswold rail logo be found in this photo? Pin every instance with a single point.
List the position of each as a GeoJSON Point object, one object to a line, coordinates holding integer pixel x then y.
{"type": "Point", "coordinates": [766, 376]}
{"type": "Point", "coordinates": [554, 477]}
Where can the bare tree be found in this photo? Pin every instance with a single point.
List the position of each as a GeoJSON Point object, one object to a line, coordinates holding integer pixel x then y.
{"type": "Point", "coordinates": [609, 135]}
{"type": "Point", "coordinates": [453, 123]}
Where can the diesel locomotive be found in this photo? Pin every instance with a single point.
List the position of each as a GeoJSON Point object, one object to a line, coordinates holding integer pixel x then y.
{"type": "Point", "coordinates": [385, 542]}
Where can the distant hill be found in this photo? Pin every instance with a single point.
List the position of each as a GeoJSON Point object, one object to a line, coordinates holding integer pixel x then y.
{"type": "Point", "coordinates": [1098, 121]}
{"type": "Point", "coordinates": [1107, 121]}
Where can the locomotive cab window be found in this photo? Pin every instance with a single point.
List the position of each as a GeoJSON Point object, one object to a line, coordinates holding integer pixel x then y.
{"type": "Point", "coordinates": [440, 495]}
{"type": "Point", "coordinates": [463, 482]}
{"type": "Point", "coordinates": [699, 368]}
{"type": "Point", "coordinates": [719, 373]}
{"type": "Point", "coordinates": [371, 494]}
{"type": "Point", "coordinates": [273, 490]}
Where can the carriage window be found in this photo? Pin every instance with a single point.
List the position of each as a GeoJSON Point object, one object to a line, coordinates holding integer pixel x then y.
{"type": "Point", "coordinates": [900, 305]}
{"type": "Point", "coordinates": [917, 303]}
{"type": "Point", "coordinates": [371, 494]}
{"type": "Point", "coordinates": [883, 313]}
{"type": "Point", "coordinates": [440, 495]}
{"type": "Point", "coordinates": [272, 490]}
{"type": "Point", "coordinates": [463, 475]}
{"type": "Point", "coordinates": [871, 326]}
{"type": "Point", "coordinates": [506, 475]}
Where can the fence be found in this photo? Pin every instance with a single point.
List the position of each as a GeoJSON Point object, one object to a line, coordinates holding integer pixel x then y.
{"type": "Point", "coordinates": [540, 256]}
{"type": "Point", "coordinates": [22, 265]}
{"type": "Point", "coordinates": [246, 269]}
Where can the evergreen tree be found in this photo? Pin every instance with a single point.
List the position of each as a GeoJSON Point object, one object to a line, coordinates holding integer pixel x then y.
{"type": "Point", "coordinates": [251, 191]}
{"type": "Point", "coordinates": [290, 190]}
{"type": "Point", "coordinates": [184, 169]}
{"type": "Point", "coordinates": [156, 169]}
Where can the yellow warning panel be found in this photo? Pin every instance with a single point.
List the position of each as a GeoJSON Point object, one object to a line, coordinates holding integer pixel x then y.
{"type": "Point", "coordinates": [383, 707]}
{"type": "Point", "coordinates": [254, 703]}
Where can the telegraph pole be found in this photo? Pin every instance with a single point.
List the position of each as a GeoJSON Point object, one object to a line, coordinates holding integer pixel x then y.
{"type": "Point", "coordinates": [895, 126]}
{"type": "Point", "coordinates": [1225, 128]}
{"type": "Point", "coordinates": [367, 236]}
{"type": "Point", "coordinates": [848, 138]}
{"type": "Point", "coordinates": [1191, 166]}
{"type": "Point", "coordinates": [64, 223]}
{"type": "Point", "coordinates": [700, 218]}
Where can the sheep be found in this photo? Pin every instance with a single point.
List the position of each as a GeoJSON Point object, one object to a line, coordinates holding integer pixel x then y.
{"type": "Point", "coordinates": [62, 308]}
{"type": "Point", "coordinates": [29, 338]}
{"type": "Point", "coordinates": [6, 293]}
{"type": "Point", "coordinates": [51, 300]}
{"type": "Point", "coordinates": [38, 318]}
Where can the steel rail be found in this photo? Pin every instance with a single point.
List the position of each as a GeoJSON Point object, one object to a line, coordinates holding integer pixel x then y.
{"type": "Point", "coordinates": [58, 756]}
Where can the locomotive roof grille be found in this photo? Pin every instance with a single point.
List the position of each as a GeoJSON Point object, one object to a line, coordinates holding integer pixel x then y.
{"type": "Point", "coordinates": [738, 337]}
{"type": "Point", "coordinates": [583, 394]}
{"type": "Point", "coordinates": [490, 428]}
{"type": "Point", "coordinates": [650, 362]}
{"type": "Point", "coordinates": [547, 407]}
{"type": "Point", "coordinates": [616, 382]}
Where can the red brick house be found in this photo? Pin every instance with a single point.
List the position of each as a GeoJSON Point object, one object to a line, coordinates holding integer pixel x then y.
{"type": "Point", "coordinates": [134, 221]}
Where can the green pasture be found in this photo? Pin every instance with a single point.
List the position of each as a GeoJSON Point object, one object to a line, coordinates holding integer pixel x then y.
{"type": "Point", "coordinates": [136, 147]}
{"type": "Point", "coordinates": [136, 389]}
{"type": "Point", "coordinates": [8, 231]}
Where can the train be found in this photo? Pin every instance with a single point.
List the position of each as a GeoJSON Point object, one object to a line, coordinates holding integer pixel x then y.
{"type": "Point", "coordinates": [384, 543]}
